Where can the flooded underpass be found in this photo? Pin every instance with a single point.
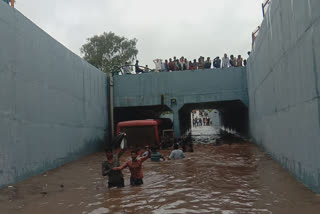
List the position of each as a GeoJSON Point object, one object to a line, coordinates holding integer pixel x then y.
{"type": "Point", "coordinates": [230, 178]}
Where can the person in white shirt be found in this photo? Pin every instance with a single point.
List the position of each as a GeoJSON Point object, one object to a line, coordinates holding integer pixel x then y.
{"type": "Point", "coordinates": [176, 154]}
{"type": "Point", "coordinates": [126, 68]}
{"type": "Point", "coordinates": [186, 62]}
{"type": "Point", "coordinates": [158, 63]}
{"type": "Point", "coordinates": [225, 61]}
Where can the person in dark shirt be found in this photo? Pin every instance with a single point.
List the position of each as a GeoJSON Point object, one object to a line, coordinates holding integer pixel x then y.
{"type": "Point", "coordinates": [217, 62]}
{"type": "Point", "coordinates": [231, 61]}
{"type": "Point", "coordinates": [207, 63]}
{"type": "Point", "coordinates": [115, 177]}
{"type": "Point", "coordinates": [179, 66]}
{"type": "Point", "coordinates": [155, 155]}
{"type": "Point", "coordinates": [195, 64]}
{"type": "Point", "coordinates": [137, 68]}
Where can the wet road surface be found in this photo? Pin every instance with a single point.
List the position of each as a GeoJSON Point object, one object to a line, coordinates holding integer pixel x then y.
{"type": "Point", "coordinates": [237, 178]}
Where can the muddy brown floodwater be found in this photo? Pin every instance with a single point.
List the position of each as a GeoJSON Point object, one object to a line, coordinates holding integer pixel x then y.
{"type": "Point", "coordinates": [237, 178]}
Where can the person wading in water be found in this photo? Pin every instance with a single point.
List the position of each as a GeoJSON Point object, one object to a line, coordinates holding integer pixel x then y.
{"type": "Point", "coordinates": [135, 166]}
{"type": "Point", "coordinates": [115, 176]}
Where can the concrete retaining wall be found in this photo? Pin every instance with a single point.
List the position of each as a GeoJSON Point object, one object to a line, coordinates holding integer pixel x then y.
{"type": "Point", "coordinates": [192, 86]}
{"type": "Point", "coordinates": [283, 82]}
{"type": "Point", "coordinates": [186, 87]}
{"type": "Point", "coordinates": [53, 105]}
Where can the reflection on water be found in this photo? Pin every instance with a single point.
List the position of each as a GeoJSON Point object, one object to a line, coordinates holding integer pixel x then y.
{"type": "Point", "coordinates": [226, 179]}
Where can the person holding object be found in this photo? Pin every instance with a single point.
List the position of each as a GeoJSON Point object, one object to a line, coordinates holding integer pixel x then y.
{"type": "Point", "coordinates": [135, 167]}
{"type": "Point", "coordinates": [115, 177]}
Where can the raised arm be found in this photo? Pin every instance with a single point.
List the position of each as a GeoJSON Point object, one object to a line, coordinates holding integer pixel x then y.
{"type": "Point", "coordinates": [146, 157]}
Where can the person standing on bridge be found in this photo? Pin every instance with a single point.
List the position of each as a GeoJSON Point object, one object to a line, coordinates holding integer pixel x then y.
{"type": "Point", "coordinates": [171, 65]}
{"type": "Point", "coordinates": [232, 61]}
{"type": "Point", "coordinates": [135, 167]}
{"type": "Point", "coordinates": [225, 61]}
{"type": "Point", "coordinates": [200, 63]}
{"type": "Point", "coordinates": [126, 68]}
{"type": "Point", "coordinates": [186, 64]}
{"type": "Point", "coordinates": [207, 64]}
{"type": "Point", "coordinates": [195, 64]}
{"type": "Point", "coordinates": [137, 68]}
{"type": "Point", "coordinates": [157, 63]}
{"type": "Point", "coordinates": [239, 61]}
{"type": "Point", "coordinates": [217, 62]}
{"type": "Point", "coordinates": [164, 66]}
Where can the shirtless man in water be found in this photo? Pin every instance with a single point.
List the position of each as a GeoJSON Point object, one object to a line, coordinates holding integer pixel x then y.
{"type": "Point", "coordinates": [135, 166]}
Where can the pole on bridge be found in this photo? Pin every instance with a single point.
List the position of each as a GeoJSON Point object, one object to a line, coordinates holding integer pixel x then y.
{"type": "Point", "coordinates": [111, 106]}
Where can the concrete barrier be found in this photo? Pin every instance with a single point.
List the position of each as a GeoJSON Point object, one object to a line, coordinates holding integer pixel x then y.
{"type": "Point", "coordinates": [184, 87]}
{"type": "Point", "coordinates": [53, 106]}
{"type": "Point", "coordinates": [283, 82]}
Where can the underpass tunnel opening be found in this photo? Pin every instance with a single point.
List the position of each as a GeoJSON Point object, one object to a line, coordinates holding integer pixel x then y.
{"type": "Point", "coordinates": [140, 134]}
{"type": "Point", "coordinates": [205, 117]}
{"type": "Point", "coordinates": [229, 114]}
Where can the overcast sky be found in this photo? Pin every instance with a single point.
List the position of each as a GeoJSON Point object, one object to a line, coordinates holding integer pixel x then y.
{"type": "Point", "coordinates": [164, 28]}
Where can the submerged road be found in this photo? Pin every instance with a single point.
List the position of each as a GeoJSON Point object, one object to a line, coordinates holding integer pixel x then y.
{"type": "Point", "coordinates": [227, 179]}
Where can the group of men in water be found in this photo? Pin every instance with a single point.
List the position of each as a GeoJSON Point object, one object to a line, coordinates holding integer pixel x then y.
{"type": "Point", "coordinates": [112, 168]}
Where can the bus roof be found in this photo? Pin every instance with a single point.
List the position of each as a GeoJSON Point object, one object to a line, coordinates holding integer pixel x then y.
{"type": "Point", "coordinates": [138, 123]}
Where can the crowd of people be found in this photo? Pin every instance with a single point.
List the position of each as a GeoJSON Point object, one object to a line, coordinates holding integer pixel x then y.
{"type": "Point", "coordinates": [200, 118]}
{"type": "Point", "coordinates": [204, 121]}
{"type": "Point", "coordinates": [174, 64]}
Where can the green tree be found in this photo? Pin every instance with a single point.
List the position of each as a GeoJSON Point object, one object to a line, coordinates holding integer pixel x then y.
{"type": "Point", "coordinates": [108, 51]}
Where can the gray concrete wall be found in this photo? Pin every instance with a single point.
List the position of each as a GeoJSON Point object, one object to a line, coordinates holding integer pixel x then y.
{"type": "Point", "coordinates": [283, 83]}
{"type": "Point", "coordinates": [53, 105]}
{"type": "Point", "coordinates": [187, 87]}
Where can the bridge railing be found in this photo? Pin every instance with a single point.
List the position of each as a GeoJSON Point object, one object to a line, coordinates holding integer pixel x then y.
{"type": "Point", "coordinates": [254, 35]}
{"type": "Point", "coordinates": [265, 7]}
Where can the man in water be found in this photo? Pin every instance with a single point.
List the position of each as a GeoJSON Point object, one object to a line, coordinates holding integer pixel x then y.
{"type": "Point", "coordinates": [135, 166]}
{"type": "Point", "coordinates": [115, 176]}
{"type": "Point", "coordinates": [176, 154]}
{"type": "Point", "coordinates": [155, 155]}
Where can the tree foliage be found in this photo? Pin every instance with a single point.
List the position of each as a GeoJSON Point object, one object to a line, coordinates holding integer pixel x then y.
{"type": "Point", "coordinates": [109, 51]}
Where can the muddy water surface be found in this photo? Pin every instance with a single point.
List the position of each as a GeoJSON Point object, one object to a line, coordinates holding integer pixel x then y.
{"type": "Point", "coordinates": [236, 178]}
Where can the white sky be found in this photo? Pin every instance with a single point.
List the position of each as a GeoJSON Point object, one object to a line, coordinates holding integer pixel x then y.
{"type": "Point", "coordinates": [164, 29]}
